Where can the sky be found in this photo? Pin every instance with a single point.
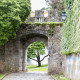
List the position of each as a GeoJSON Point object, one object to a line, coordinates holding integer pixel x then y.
{"type": "Point", "coordinates": [38, 4]}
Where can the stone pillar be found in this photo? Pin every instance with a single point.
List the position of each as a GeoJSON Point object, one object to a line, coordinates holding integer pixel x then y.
{"type": "Point", "coordinates": [55, 58]}
{"type": "Point", "coordinates": [13, 56]}
{"type": "Point", "coordinates": [2, 58]}
{"type": "Point", "coordinates": [24, 68]}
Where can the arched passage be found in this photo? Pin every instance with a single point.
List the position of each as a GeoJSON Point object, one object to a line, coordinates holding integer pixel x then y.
{"type": "Point", "coordinates": [14, 50]}
{"type": "Point", "coordinates": [37, 57]}
{"type": "Point", "coordinates": [30, 38]}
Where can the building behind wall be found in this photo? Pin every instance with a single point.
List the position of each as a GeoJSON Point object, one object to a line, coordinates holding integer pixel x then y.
{"type": "Point", "coordinates": [44, 16]}
{"type": "Point", "coordinates": [39, 16]}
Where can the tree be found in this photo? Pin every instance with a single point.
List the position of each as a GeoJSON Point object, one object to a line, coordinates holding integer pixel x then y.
{"type": "Point", "coordinates": [35, 50]}
{"type": "Point", "coordinates": [12, 14]}
{"type": "Point", "coordinates": [56, 4]}
{"type": "Point", "coordinates": [44, 8]}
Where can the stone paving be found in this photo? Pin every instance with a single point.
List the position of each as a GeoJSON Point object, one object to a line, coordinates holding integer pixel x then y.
{"type": "Point", "coordinates": [28, 76]}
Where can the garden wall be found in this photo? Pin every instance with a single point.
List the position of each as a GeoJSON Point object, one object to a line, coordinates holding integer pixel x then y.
{"type": "Point", "coordinates": [72, 69]}
{"type": "Point", "coordinates": [2, 58]}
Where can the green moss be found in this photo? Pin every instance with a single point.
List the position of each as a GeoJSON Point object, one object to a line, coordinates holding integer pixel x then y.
{"type": "Point", "coordinates": [1, 75]}
{"type": "Point", "coordinates": [37, 23]}
{"type": "Point", "coordinates": [7, 68]}
{"type": "Point", "coordinates": [43, 24]}
{"type": "Point", "coordinates": [51, 32]}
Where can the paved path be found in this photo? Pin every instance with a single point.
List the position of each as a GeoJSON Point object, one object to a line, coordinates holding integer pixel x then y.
{"type": "Point", "coordinates": [28, 76]}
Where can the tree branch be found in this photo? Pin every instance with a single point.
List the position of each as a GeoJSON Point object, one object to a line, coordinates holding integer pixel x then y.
{"type": "Point", "coordinates": [44, 57]}
{"type": "Point", "coordinates": [34, 59]}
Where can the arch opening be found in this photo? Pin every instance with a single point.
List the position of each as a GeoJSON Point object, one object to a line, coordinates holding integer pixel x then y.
{"type": "Point", "coordinates": [37, 57]}
{"type": "Point", "coordinates": [27, 41]}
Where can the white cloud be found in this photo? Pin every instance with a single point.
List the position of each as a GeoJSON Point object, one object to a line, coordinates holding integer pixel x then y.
{"type": "Point", "coordinates": [38, 4]}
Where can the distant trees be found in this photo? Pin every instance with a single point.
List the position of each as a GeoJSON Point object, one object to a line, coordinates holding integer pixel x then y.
{"type": "Point", "coordinates": [44, 8]}
{"type": "Point", "coordinates": [35, 50]}
{"type": "Point", "coordinates": [12, 14]}
{"type": "Point", "coordinates": [56, 4]}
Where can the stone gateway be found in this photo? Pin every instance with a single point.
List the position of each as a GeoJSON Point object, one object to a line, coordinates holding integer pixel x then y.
{"type": "Point", "coordinates": [13, 55]}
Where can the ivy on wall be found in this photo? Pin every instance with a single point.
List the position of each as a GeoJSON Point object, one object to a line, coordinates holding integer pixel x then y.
{"type": "Point", "coordinates": [70, 42]}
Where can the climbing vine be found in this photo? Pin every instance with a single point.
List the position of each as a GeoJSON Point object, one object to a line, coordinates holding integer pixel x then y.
{"type": "Point", "coordinates": [71, 28]}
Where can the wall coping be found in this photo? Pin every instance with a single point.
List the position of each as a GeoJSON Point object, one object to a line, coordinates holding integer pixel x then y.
{"type": "Point", "coordinates": [44, 23]}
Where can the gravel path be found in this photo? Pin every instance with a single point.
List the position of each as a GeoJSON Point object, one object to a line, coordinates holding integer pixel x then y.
{"type": "Point", "coordinates": [28, 76]}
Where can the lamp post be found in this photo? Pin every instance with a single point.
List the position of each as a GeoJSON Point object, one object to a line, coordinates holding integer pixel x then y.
{"type": "Point", "coordinates": [63, 18]}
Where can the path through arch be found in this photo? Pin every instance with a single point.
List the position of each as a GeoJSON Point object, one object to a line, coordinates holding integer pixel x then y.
{"type": "Point", "coordinates": [13, 58]}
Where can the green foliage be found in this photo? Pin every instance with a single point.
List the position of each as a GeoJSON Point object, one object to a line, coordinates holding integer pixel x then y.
{"type": "Point", "coordinates": [34, 48]}
{"type": "Point", "coordinates": [71, 28]}
{"type": "Point", "coordinates": [56, 4]}
{"type": "Point", "coordinates": [44, 8]}
{"type": "Point", "coordinates": [51, 32]}
{"type": "Point", "coordinates": [60, 77]}
{"type": "Point", "coordinates": [12, 14]}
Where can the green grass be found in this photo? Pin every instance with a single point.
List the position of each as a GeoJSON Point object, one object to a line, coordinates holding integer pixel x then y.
{"type": "Point", "coordinates": [35, 68]}
{"type": "Point", "coordinates": [60, 77]}
{"type": "Point", "coordinates": [1, 75]}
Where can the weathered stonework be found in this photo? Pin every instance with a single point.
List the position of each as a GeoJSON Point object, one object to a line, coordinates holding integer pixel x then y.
{"type": "Point", "coordinates": [55, 59]}
{"type": "Point", "coordinates": [2, 58]}
{"type": "Point", "coordinates": [16, 50]}
{"type": "Point", "coordinates": [52, 16]}
{"type": "Point", "coordinates": [72, 66]}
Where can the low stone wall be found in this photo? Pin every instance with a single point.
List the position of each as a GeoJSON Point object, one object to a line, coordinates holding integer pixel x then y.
{"type": "Point", "coordinates": [72, 66]}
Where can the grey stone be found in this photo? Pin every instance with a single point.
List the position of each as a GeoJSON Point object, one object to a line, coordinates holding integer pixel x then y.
{"type": "Point", "coordinates": [14, 52]}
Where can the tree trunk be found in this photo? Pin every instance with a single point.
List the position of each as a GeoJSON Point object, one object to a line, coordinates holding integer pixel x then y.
{"type": "Point", "coordinates": [38, 59]}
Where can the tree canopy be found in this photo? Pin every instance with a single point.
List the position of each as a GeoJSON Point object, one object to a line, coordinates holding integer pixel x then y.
{"type": "Point", "coordinates": [12, 14]}
{"type": "Point", "coordinates": [36, 47]}
{"type": "Point", "coordinates": [35, 50]}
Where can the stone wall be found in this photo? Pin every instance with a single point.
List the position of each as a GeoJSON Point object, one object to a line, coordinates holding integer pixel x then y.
{"type": "Point", "coordinates": [13, 55]}
{"type": "Point", "coordinates": [2, 58]}
{"type": "Point", "coordinates": [52, 16]}
{"type": "Point", "coordinates": [16, 50]}
{"type": "Point", "coordinates": [55, 59]}
{"type": "Point", "coordinates": [72, 66]}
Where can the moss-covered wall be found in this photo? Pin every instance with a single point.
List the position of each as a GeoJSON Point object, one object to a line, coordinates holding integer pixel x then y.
{"type": "Point", "coordinates": [51, 25]}
{"type": "Point", "coordinates": [71, 29]}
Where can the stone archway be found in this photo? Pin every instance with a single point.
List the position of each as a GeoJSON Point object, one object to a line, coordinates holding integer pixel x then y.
{"type": "Point", "coordinates": [31, 38]}
{"type": "Point", "coordinates": [14, 50]}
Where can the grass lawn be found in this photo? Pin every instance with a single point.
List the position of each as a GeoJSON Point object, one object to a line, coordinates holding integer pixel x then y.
{"type": "Point", "coordinates": [1, 75]}
{"type": "Point", "coordinates": [35, 68]}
